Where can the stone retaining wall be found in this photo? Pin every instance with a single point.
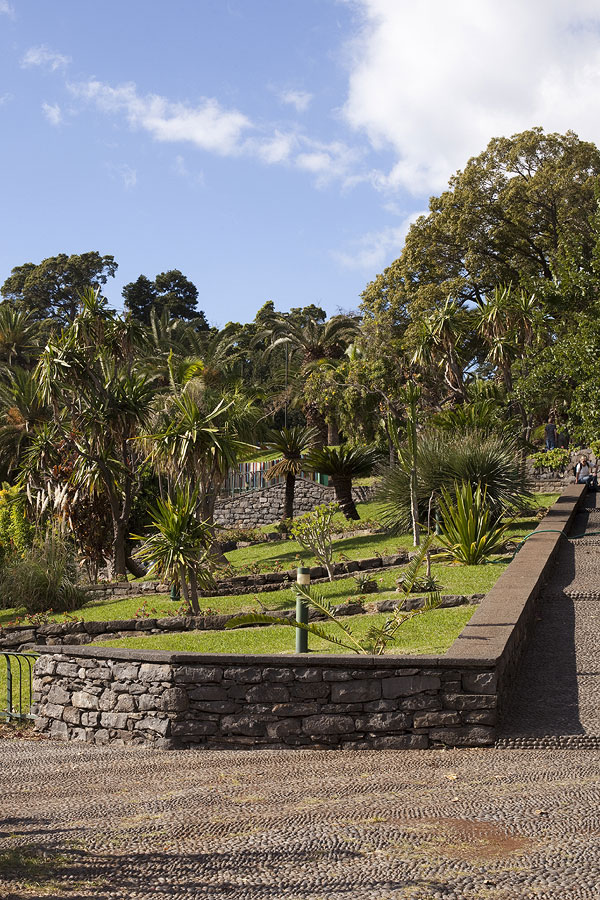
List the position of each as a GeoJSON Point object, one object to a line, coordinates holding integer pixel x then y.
{"type": "Point", "coordinates": [181, 700]}
{"type": "Point", "coordinates": [175, 699]}
{"type": "Point", "coordinates": [265, 505]}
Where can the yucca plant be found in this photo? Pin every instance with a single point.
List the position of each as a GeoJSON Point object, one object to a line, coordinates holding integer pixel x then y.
{"type": "Point", "coordinates": [377, 637]}
{"type": "Point", "coordinates": [179, 547]}
{"type": "Point", "coordinates": [470, 530]}
{"type": "Point", "coordinates": [342, 464]}
{"type": "Point", "coordinates": [444, 458]}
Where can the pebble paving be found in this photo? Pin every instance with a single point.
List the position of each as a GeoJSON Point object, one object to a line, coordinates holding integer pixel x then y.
{"type": "Point", "coordinates": [520, 821]}
{"type": "Point", "coordinates": [97, 822]}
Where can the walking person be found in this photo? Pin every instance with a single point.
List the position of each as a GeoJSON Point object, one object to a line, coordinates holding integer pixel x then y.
{"type": "Point", "coordinates": [550, 434]}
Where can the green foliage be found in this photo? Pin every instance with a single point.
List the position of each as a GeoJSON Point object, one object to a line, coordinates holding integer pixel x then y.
{"type": "Point", "coordinates": [343, 464]}
{"type": "Point", "coordinates": [179, 549]}
{"type": "Point", "coordinates": [470, 531]}
{"type": "Point", "coordinates": [556, 460]}
{"type": "Point", "coordinates": [314, 530]}
{"type": "Point", "coordinates": [444, 458]}
{"type": "Point", "coordinates": [170, 291]}
{"type": "Point", "coordinates": [43, 579]}
{"type": "Point", "coordinates": [16, 532]}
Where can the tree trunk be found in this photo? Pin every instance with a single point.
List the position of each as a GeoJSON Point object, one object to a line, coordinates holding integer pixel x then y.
{"type": "Point", "coordinates": [290, 487]}
{"type": "Point", "coordinates": [342, 485]}
{"type": "Point", "coordinates": [314, 419]}
{"type": "Point", "coordinates": [119, 551]}
{"type": "Point", "coordinates": [135, 567]}
{"type": "Point", "coordinates": [333, 434]}
{"type": "Point", "coordinates": [194, 592]}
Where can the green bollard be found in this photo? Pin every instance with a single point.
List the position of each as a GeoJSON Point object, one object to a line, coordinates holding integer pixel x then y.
{"type": "Point", "coordinates": [303, 578]}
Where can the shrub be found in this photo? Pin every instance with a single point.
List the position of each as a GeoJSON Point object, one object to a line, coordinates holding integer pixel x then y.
{"type": "Point", "coordinates": [556, 460]}
{"type": "Point", "coordinates": [16, 532]}
{"type": "Point", "coordinates": [237, 534]}
{"type": "Point", "coordinates": [471, 532]}
{"type": "Point", "coordinates": [44, 579]}
{"type": "Point", "coordinates": [366, 583]}
{"type": "Point", "coordinates": [313, 532]}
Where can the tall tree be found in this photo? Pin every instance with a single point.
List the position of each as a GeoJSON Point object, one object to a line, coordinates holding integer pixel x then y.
{"type": "Point", "coordinates": [52, 288]}
{"type": "Point", "coordinates": [170, 291]}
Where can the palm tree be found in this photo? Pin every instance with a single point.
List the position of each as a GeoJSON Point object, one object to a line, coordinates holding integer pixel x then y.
{"type": "Point", "coordinates": [310, 344]}
{"type": "Point", "coordinates": [18, 336]}
{"type": "Point", "coordinates": [342, 464]}
{"type": "Point", "coordinates": [290, 444]}
{"type": "Point", "coordinates": [22, 412]}
{"type": "Point", "coordinates": [439, 340]}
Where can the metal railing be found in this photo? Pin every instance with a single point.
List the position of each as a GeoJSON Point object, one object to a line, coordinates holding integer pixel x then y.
{"type": "Point", "coordinates": [253, 476]}
{"type": "Point", "coordinates": [18, 672]}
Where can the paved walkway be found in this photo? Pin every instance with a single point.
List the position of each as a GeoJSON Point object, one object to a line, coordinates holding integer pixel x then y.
{"type": "Point", "coordinates": [557, 699]}
{"type": "Point", "coordinates": [487, 824]}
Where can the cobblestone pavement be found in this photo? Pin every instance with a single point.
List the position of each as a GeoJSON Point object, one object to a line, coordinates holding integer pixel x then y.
{"type": "Point", "coordinates": [98, 822]}
{"type": "Point", "coordinates": [557, 700]}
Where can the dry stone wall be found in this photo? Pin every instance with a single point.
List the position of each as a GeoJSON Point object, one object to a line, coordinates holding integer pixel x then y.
{"type": "Point", "coordinates": [265, 505]}
{"type": "Point", "coordinates": [181, 700]}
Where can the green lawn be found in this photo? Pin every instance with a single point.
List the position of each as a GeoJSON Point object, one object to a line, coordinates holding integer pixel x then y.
{"type": "Point", "coordinates": [432, 632]}
{"type": "Point", "coordinates": [23, 700]}
{"type": "Point", "coordinates": [454, 579]}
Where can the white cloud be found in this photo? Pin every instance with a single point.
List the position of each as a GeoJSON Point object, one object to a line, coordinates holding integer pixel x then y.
{"type": "Point", "coordinates": [7, 8]}
{"type": "Point", "coordinates": [46, 58]}
{"type": "Point", "coordinates": [434, 81]}
{"type": "Point", "coordinates": [124, 173]}
{"type": "Point", "coordinates": [300, 100]}
{"type": "Point", "coordinates": [180, 168]}
{"type": "Point", "coordinates": [226, 132]}
{"type": "Point", "coordinates": [53, 113]}
{"type": "Point", "coordinates": [206, 125]}
{"type": "Point", "coordinates": [377, 249]}
{"type": "Point", "coordinates": [5, 98]}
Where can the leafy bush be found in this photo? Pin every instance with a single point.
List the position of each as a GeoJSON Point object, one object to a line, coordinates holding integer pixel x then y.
{"type": "Point", "coordinates": [366, 583]}
{"type": "Point", "coordinates": [16, 532]}
{"type": "Point", "coordinates": [237, 534]}
{"type": "Point", "coordinates": [44, 579]}
{"type": "Point", "coordinates": [471, 532]}
{"type": "Point", "coordinates": [556, 460]}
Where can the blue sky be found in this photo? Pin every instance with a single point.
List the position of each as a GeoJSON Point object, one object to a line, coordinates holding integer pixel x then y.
{"type": "Point", "coordinates": [270, 149]}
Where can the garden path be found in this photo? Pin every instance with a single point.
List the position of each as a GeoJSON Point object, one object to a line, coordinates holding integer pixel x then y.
{"type": "Point", "coordinates": [557, 696]}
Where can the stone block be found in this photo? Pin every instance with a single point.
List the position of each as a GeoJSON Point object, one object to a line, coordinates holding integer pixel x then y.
{"type": "Point", "coordinates": [59, 730]}
{"type": "Point", "coordinates": [381, 706]}
{"type": "Point", "coordinates": [278, 675]}
{"type": "Point", "coordinates": [355, 691]}
{"type": "Point", "coordinates": [243, 723]}
{"type": "Point", "coordinates": [279, 731]}
{"type": "Point", "coordinates": [469, 701]}
{"type": "Point", "coordinates": [125, 703]}
{"type": "Point", "coordinates": [208, 692]}
{"type": "Point", "coordinates": [480, 682]}
{"type": "Point", "coordinates": [100, 673]}
{"type": "Point", "coordinates": [147, 702]}
{"type": "Point", "coordinates": [113, 720]}
{"type": "Point", "coordinates": [243, 674]}
{"type": "Point", "coordinates": [388, 742]}
{"type": "Point", "coordinates": [44, 665]}
{"type": "Point", "coordinates": [268, 693]}
{"type": "Point", "coordinates": [295, 709]}
{"type": "Point", "coordinates": [101, 736]}
{"type": "Point", "coordinates": [145, 624]}
{"type": "Point", "coordinates": [108, 700]}
{"type": "Point", "coordinates": [191, 729]}
{"type": "Point", "coordinates": [199, 674]}
{"type": "Point", "coordinates": [336, 675]}
{"type": "Point", "coordinates": [95, 627]}
{"type": "Point", "coordinates": [220, 707]}
{"type": "Point", "coordinates": [403, 686]}
{"type": "Point", "coordinates": [153, 723]}
{"type": "Point", "coordinates": [309, 691]}
{"type": "Point", "coordinates": [480, 717]}
{"type": "Point", "coordinates": [323, 725]}
{"type": "Point", "coordinates": [175, 699]}
{"type": "Point", "coordinates": [69, 670]}
{"type": "Point", "coordinates": [171, 623]}
{"type": "Point", "coordinates": [126, 671]}
{"type": "Point", "coordinates": [436, 717]}
{"type": "Point", "coordinates": [57, 694]}
{"type": "Point", "coordinates": [465, 736]}
{"type": "Point", "coordinates": [90, 719]}
{"type": "Point", "coordinates": [391, 721]}
{"type": "Point", "coordinates": [84, 700]}
{"type": "Point", "coordinates": [154, 673]}
{"type": "Point", "coordinates": [53, 710]}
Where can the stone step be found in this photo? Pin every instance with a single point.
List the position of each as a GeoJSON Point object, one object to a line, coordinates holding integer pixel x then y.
{"type": "Point", "coordinates": [549, 742]}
